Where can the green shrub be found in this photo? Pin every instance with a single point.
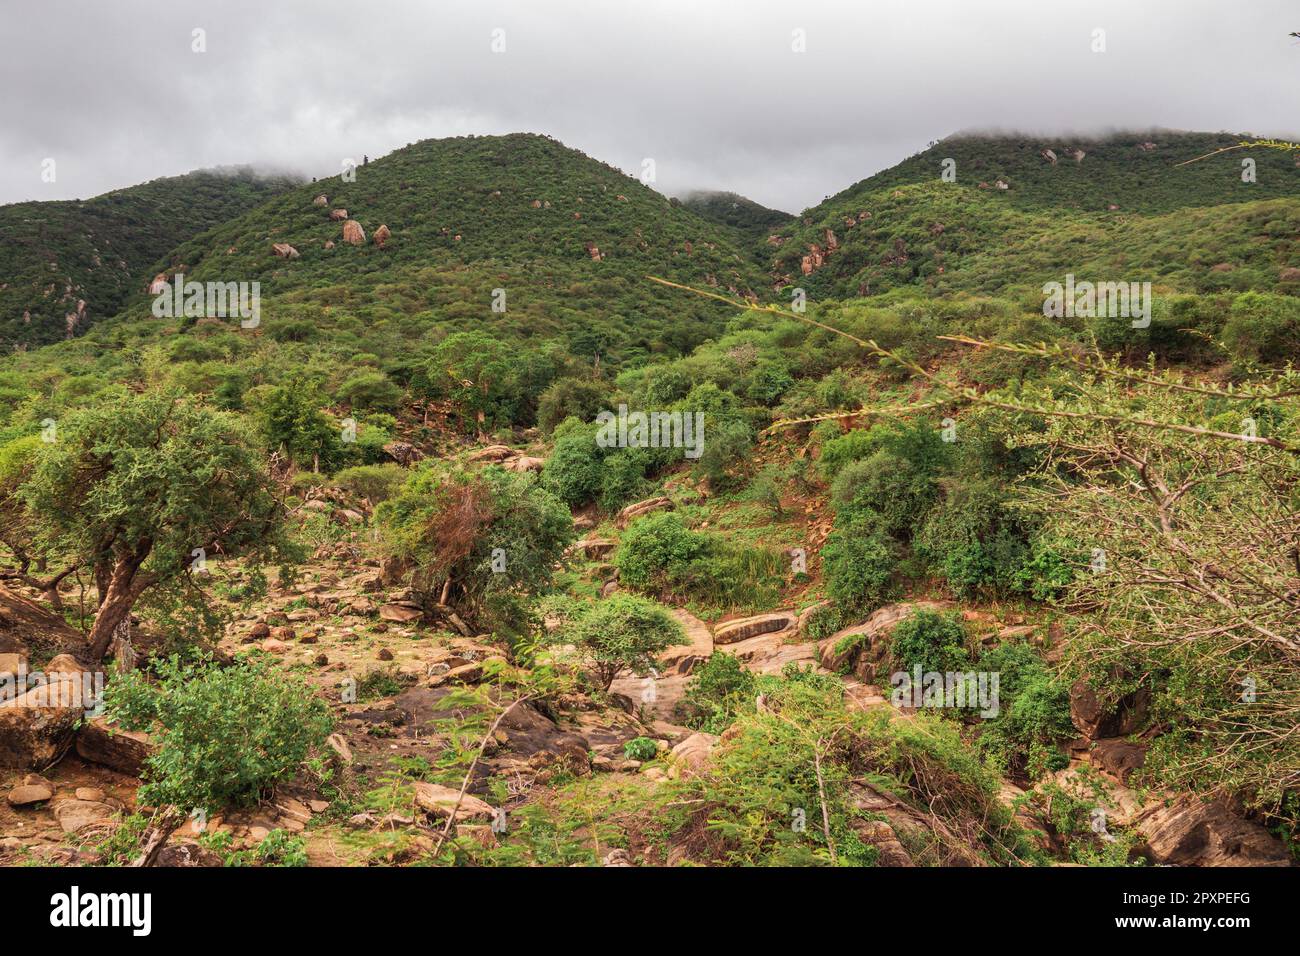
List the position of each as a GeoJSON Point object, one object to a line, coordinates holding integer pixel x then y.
{"type": "Point", "coordinates": [1033, 722]}
{"type": "Point", "coordinates": [575, 469]}
{"type": "Point", "coordinates": [580, 398]}
{"type": "Point", "coordinates": [858, 561]}
{"type": "Point", "coordinates": [622, 632]}
{"type": "Point", "coordinates": [976, 540]}
{"type": "Point", "coordinates": [929, 640]}
{"type": "Point", "coordinates": [375, 483]}
{"type": "Point", "coordinates": [718, 689]}
{"type": "Point", "coordinates": [225, 735]}
{"type": "Point", "coordinates": [640, 748]}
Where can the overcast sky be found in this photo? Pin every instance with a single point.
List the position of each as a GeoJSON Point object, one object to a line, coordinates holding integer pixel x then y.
{"type": "Point", "coordinates": [711, 89]}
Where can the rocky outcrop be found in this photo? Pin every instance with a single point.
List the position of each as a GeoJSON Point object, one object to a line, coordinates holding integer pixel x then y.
{"type": "Point", "coordinates": [690, 757]}
{"type": "Point", "coordinates": [683, 658]}
{"type": "Point", "coordinates": [1188, 831]}
{"type": "Point", "coordinates": [381, 236]}
{"type": "Point", "coordinates": [353, 234]}
{"type": "Point", "coordinates": [283, 250]}
{"type": "Point", "coordinates": [636, 510]}
{"type": "Point", "coordinates": [1094, 719]}
{"type": "Point", "coordinates": [855, 648]}
{"type": "Point", "coordinates": [439, 801]}
{"type": "Point", "coordinates": [403, 453]}
{"type": "Point", "coordinates": [36, 728]}
{"type": "Point", "coordinates": [125, 751]}
{"type": "Point", "coordinates": [735, 631]}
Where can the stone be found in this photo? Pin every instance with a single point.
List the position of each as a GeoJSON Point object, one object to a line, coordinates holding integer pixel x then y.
{"type": "Point", "coordinates": [283, 250]}
{"type": "Point", "coordinates": [77, 815]}
{"type": "Point", "coordinates": [272, 646]}
{"type": "Point", "coordinates": [381, 236]}
{"type": "Point", "coordinates": [1118, 757]}
{"type": "Point", "coordinates": [259, 631]}
{"type": "Point", "coordinates": [338, 215]}
{"type": "Point", "coordinates": [734, 631]}
{"type": "Point", "coordinates": [353, 234]}
{"type": "Point", "coordinates": [338, 745]}
{"type": "Point", "coordinates": [842, 650]}
{"type": "Point", "coordinates": [93, 794]}
{"type": "Point", "coordinates": [682, 658]}
{"type": "Point", "coordinates": [639, 508]}
{"type": "Point", "coordinates": [400, 613]}
{"type": "Point", "coordinates": [881, 835]}
{"type": "Point", "coordinates": [283, 633]}
{"type": "Point", "coordinates": [321, 200]}
{"type": "Point", "coordinates": [690, 757]}
{"type": "Point", "coordinates": [24, 796]}
{"type": "Point", "coordinates": [187, 855]}
{"type": "Point", "coordinates": [594, 548]}
{"type": "Point", "coordinates": [807, 614]}
{"type": "Point", "coordinates": [105, 744]}
{"type": "Point", "coordinates": [1188, 831]}
{"type": "Point", "coordinates": [384, 654]}
{"type": "Point", "coordinates": [37, 727]}
{"type": "Point", "coordinates": [438, 801]}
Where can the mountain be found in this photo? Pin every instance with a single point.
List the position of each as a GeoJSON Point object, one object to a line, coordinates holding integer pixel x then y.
{"type": "Point", "coordinates": [736, 212]}
{"type": "Point", "coordinates": [568, 240]}
{"type": "Point", "coordinates": [68, 263]}
{"type": "Point", "coordinates": [1022, 211]}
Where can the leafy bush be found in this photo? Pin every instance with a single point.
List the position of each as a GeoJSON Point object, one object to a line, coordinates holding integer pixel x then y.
{"type": "Point", "coordinates": [976, 540]}
{"type": "Point", "coordinates": [623, 632]}
{"type": "Point", "coordinates": [930, 640]}
{"type": "Point", "coordinates": [225, 735]}
{"type": "Point", "coordinates": [1034, 713]}
{"type": "Point", "coordinates": [640, 748]}
{"type": "Point", "coordinates": [859, 561]}
{"type": "Point", "coordinates": [718, 689]}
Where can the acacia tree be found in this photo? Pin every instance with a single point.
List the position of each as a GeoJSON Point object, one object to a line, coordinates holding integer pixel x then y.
{"type": "Point", "coordinates": [1181, 497]}
{"type": "Point", "coordinates": [134, 488]}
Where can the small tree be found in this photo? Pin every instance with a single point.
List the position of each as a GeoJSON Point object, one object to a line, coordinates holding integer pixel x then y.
{"type": "Point", "coordinates": [623, 632]}
{"type": "Point", "coordinates": [137, 488]}
{"type": "Point", "coordinates": [473, 537]}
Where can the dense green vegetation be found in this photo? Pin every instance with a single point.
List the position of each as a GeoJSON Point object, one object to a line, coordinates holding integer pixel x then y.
{"type": "Point", "coordinates": [102, 250]}
{"type": "Point", "coordinates": [1124, 493]}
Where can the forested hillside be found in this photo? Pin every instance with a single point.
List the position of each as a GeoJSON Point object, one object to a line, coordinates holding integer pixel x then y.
{"type": "Point", "coordinates": [909, 570]}
{"type": "Point", "coordinates": [67, 264]}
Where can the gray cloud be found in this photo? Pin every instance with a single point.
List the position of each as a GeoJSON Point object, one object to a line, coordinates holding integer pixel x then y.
{"type": "Point", "coordinates": [711, 89]}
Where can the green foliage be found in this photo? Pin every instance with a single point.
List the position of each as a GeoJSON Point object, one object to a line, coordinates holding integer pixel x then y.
{"type": "Point", "coordinates": [196, 711]}
{"type": "Point", "coordinates": [718, 689]}
{"type": "Point", "coordinates": [859, 562]}
{"type": "Point", "coordinates": [930, 640]}
{"type": "Point", "coordinates": [640, 748]}
{"type": "Point", "coordinates": [580, 398]}
{"type": "Point", "coordinates": [1033, 722]}
{"type": "Point", "coordinates": [622, 632]}
{"type": "Point", "coordinates": [491, 534]}
{"type": "Point", "coordinates": [1264, 328]}
{"type": "Point", "coordinates": [658, 554]}
{"type": "Point", "coordinates": [976, 540]}
{"type": "Point", "coordinates": [294, 424]}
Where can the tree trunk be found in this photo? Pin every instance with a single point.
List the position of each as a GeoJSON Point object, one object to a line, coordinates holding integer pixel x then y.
{"type": "Point", "coordinates": [114, 606]}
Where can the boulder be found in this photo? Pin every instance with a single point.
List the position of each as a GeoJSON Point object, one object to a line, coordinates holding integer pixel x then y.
{"type": "Point", "coordinates": [402, 452]}
{"type": "Point", "coordinates": [437, 800]}
{"type": "Point", "coordinates": [1094, 719]}
{"type": "Point", "coordinates": [734, 631]}
{"type": "Point", "coordinates": [321, 200]}
{"type": "Point", "coordinates": [492, 453]}
{"type": "Point", "coordinates": [1048, 155]}
{"type": "Point", "coordinates": [523, 463]}
{"type": "Point", "coordinates": [881, 835]}
{"type": "Point", "coordinates": [691, 756]}
{"type": "Point", "coordinates": [1189, 831]}
{"type": "Point", "coordinates": [338, 215]}
{"type": "Point", "coordinates": [400, 612]}
{"type": "Point", "coordinates": [187, 855]}
{"type": "Point", "coordinates": [381, 236]}
{"type": "Point", "coordinates": [1118, 757]}
{"type": "Point", "coordinates": [25, 795]}
{"type": "Point", "coordinates": [594, 548]}
{"type": "Point", "coordinates": [353, 234]}
{"type": "Point", "coordinates": [681, 658]}
{"type": "Point", "coordinates": [36, 727]}
{"type": "Point", "coordinates": [77, 815]}
{"type": "Point", "coordinates": [125, 751]}
{"type": "Point", "coordinates": [284, 251]}
{"type": "Point", "coordinates": [639, 508]}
